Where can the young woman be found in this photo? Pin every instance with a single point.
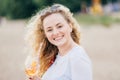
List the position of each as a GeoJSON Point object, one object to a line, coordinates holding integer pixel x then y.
{"type": "Point", "coordinates": [54, 40]}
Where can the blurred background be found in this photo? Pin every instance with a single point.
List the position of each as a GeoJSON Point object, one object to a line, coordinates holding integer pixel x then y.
{"type": "Point", "coordinates": [100, 34]}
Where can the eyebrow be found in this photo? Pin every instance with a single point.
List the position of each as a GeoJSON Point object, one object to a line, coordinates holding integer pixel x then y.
{"type": "Point", "coordinates": [48, 27]}
{"type": "Point", "coordinates": [58, 24]}
{"type": "Point", "coordinates": [55, 25]}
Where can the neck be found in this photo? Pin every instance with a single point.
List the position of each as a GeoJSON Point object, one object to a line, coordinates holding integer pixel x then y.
{"type": "Point", "coordinates": [65, 48]}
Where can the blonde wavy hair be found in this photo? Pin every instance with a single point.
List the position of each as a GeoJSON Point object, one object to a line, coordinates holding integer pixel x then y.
{"type": "Point", "coordinates": [39, 44]}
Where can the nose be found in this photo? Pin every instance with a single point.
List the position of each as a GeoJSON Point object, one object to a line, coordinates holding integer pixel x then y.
{"type": "Point", "coordinates": [55, 32]}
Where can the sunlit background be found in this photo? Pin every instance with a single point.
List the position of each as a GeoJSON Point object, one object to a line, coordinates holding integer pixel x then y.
{"type": "Point", "coordinates": [100, 34]}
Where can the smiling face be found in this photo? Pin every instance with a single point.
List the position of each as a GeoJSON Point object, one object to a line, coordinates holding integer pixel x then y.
{"type": "Point", "coordinates": [57, 29]}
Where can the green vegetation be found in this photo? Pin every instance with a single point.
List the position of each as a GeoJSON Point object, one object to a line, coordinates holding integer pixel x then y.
{"type": "Point", "coordinates": [20, 9]}
{"type": "Point", "coordinates": [105, 20]}
{"type": "Point", "coordinates": [17, 9]}
{"type": "Point", "coordinates": [24, 9]}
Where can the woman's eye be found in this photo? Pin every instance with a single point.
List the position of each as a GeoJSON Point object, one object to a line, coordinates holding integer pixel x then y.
{"type": "Point", "coordinates": [59, 26]}
{"type": "Point", "coordinates": [49, 30]}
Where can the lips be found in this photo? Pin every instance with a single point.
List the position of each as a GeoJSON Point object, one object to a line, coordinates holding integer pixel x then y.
{"type": "Point", "coordinates": [58, 38]}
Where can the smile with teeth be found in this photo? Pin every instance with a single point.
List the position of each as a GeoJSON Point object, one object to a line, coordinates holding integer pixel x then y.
{"type": "Point", "coordinates": [58, 38]}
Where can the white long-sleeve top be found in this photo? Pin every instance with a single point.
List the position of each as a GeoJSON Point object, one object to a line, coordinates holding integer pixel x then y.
{"type": "Point", "coordinates": [75, 65]}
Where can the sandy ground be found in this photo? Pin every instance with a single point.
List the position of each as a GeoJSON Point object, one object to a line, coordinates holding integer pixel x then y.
{"type": "Point", "coordinates": [102, 45]}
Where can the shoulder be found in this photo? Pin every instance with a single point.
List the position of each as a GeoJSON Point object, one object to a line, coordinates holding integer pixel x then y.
{"type": "Point", "coordinates": [79, 54]}
{"type": "Point", "coordinates": [80, 64]}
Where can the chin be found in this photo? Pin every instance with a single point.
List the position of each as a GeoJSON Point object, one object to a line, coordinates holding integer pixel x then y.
{"type": "Point", "coordinates": [60, 44]}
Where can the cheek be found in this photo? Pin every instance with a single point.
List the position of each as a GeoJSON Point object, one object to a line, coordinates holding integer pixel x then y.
{"type": "Point", "coordinates": [71, 29]}
{"type": "Point", "coordinates": [68, 30]}
{"type": "Point", "coordinates": [48, 35]}
{"type": "Point", "coordinates": [68, 27]}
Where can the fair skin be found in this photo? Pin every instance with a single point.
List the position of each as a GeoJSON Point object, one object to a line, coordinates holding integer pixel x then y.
{"type": "Point", "coordinates": [58, 32]}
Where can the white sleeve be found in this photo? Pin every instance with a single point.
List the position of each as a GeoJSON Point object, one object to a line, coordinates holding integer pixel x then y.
{"type": "Point", "coordinates": [80, 66]}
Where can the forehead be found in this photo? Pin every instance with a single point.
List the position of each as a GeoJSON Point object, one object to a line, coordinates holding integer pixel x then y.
{"type": "Point", "coordinates": [53, 19]}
